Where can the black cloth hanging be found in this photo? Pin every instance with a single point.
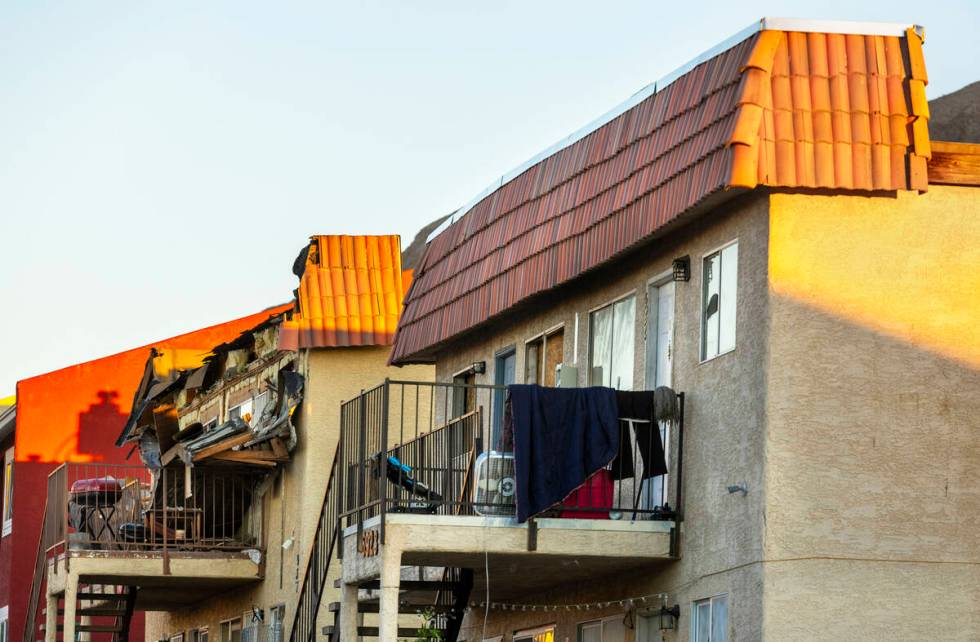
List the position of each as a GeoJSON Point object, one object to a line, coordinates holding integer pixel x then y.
{"type": "Point", "coordinates": [562, 436]}
{"type": "Point", "coordinates": [638, 405]}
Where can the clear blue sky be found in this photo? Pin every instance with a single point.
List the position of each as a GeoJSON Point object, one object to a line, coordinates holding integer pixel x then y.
{"type": "Point", "coordinates": [162, 163]}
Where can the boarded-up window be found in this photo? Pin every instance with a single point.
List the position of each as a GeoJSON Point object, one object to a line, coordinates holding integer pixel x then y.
{"type": "Point", "coordinates": [543, 356]}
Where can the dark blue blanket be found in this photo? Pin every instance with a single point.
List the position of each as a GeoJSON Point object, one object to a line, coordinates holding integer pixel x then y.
{"type": "Point", "coordinates": [562, 436]}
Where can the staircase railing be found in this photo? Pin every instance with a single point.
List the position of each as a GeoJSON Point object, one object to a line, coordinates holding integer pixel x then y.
{"type": "Point", "coordinates": [30, 622]}
{"type": "Point", "coordinates": [321, 554]}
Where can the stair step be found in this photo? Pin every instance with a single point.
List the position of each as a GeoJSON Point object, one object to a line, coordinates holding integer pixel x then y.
{"type": "Point", "coordinates": [373, 632]}
{"type": "Point", "coordinates": [374, 607]}
{"type": "Point", "coordinates": [89, 595]}
{"type": "Point", "coordinates": [96, 611]}
{"type": "Point", "coordinates": [92, 628]}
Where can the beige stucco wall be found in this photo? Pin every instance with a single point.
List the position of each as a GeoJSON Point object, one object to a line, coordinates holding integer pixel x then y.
{"type": "Point", "coordinates": [873, 507]}
{"type": "Point", "coordinates": [291, 507]}
{"type": "Point", "coordinates": [724, 443]}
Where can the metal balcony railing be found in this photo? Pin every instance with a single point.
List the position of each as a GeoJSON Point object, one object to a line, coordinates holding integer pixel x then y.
{"type": "Point", "coordinates": [129, 508]}
{"type": "Point", "coordinates": [439, 448]}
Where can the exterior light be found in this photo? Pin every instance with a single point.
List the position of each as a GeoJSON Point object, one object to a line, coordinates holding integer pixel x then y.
{"type": "Point", "coordinates": [478, 367]}
{"type": "Point", "coordinates": [669, 616]}
{"type": "Point", "coordinates": [682, 268]}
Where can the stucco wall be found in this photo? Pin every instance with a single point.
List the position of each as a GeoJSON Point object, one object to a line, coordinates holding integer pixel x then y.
{"type": "Point", "coordinates": [873, 516]}
{"type": "Point", "coordinates": [292, 505]}
{"type": "Point", "coordinates": [724, 441]}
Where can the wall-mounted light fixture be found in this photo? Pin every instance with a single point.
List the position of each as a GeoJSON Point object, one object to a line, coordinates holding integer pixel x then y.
{"type": "Point", "coordinates": [681, 268]}
{"type": "Point", "coordinates": [478, 367]}
{"type": "Point", "coordinates": [740, 487]}
{"type": "Point", "coordinates": [669, 616]}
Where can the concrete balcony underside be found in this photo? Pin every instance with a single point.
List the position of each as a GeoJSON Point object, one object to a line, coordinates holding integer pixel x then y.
{"type": "Point", "coordinates": [565, 550]}
{"type": "Point", "coordinates": [192, 577]}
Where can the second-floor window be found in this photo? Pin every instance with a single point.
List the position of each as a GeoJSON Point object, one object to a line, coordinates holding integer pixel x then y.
{"type": "Point", "coordinates": [611, 338]}
{"type": "Point", "coordinates": [543, 358]}
{"type": "Point", "coordinates": [709, 620]}
{"type": "Point", "coordinates": [719, 280]}
{"type": "Point", "coordinates": [8, 491]}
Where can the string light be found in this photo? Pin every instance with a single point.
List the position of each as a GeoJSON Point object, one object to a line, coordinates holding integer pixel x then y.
{"type": "Point", "coordinates": [628, 603]}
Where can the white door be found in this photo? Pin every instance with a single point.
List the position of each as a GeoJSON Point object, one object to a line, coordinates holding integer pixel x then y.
{"type": "Point", "coordinates": [660, 360]}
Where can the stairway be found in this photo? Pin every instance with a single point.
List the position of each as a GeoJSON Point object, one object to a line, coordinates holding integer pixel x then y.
{"type": "Point", "coordinates": [104, 613]}
{"type": "Point", "coordinates": [445, 599]}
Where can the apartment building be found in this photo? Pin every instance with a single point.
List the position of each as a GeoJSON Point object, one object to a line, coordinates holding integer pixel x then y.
{"type": "Point", "coordinates": [73, 414]}
{"type": "Point", "coordinates": [212, 536]}
{"type": "Point", "coordinates": [768, 235]}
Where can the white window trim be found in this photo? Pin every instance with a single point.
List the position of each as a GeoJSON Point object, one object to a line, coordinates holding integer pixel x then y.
{"type": "Point", "coordinates": [701, 359]}
{"type": "Point", "coordinates": [661, 278]}
{"type": "Point", "coordinates": [8, 524]}
{"type": "Point", "coordinates": [5, 622]}
{"type": "Point", "coordinates": [710, 600]}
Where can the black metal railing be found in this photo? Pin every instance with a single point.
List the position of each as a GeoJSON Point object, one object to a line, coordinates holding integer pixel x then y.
{"type": "Point", "coordinates": [318, 565]}
{"type": "Point", "coordinates": [419, 447]}
{"type": "Point", "coordinates": [128, 508]}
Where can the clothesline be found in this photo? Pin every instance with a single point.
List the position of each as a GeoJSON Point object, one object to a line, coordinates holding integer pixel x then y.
{"type": "Point", "coordinates": [628, 603]}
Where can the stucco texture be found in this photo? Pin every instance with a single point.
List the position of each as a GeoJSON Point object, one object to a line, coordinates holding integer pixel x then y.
{"type": "Point", "coordinates": [873, 501]}
{"type": "Point", "coordinates": [721, 538]}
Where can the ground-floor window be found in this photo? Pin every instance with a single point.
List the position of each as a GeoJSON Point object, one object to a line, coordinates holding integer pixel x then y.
{"type": "Point", "coordinates": [198, 635]}
{"type": "Point", "coordinates": [540, 634]}
{"type": "Point", "coordinates": [231, 630]}
{"type": "Point", "coordinates": [177, 637]}
{"type": "Point", "coordinates": [709, 619]}
{"type": "Point", "coordinates": [610, 629]}
{"type": "Point", "coordinates": [4, 625]}
{"type": "Point", "coordinates": [277, 615]}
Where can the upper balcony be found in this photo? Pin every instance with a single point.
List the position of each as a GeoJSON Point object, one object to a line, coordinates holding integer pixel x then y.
{"type": "Point", "coordinates": [178, 533]}
{"type": "Point", "coordinates": [429, 469]}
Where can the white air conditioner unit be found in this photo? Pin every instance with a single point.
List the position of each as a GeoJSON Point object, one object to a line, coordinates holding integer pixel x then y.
{"type": "Point", "coordinates": [494, 492]}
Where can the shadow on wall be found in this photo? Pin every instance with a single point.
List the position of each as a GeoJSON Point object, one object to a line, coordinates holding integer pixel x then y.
{"type": "Point", "coordinates": [97, 426]}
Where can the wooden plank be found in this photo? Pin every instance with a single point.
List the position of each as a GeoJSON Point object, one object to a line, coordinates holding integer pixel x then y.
{"type": "Point", "coordinates": [244, 458]}
{"type": "Point", "coordinates": [279, 448]}
{"type": "Point", "coordinates": [221, 446]}
{"type": "Point", "coordinates": [955, 164]}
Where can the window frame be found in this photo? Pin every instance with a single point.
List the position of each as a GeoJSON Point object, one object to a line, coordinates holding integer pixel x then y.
{"type": "Point", "coordinates": [7, 507]}
{"type": "Point", "coordinates": [711, 609]}
{"type": "Point", "coordinates": [5, 623]}
{"type": "Point", "coordinates": [591, 335]}
{"type": "Point", "coordinates": [600, 621]}
{"type": "Point", "coordinates": [702, 337]}
{"type": "Point", "coordinates": [229, 622]}
{"type": "Point", "coordinates": [543, 338]}
{"type": "Point", "coordinates": [529, 634]}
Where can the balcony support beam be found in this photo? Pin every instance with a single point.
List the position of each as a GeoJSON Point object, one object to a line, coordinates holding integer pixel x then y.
{"type": "Point", "coordinates": [391, 567]}
{"type": "Point", "coordinates": [50, 619]}
{"type": "Point", "coordinates": [71, 602]}
{"type": "Point", "coordinates": [348, 612]}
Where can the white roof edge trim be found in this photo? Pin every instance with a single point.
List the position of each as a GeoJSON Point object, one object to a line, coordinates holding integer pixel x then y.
{"type": "Point", "coordinates": [775, 24]}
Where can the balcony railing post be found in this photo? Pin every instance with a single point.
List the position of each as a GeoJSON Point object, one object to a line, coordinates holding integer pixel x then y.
{"type": "Point", "coordinates": [361, 461]}
{"type": "Point", "coordinates": [678, 510]}
{"type": "Point", "coordinates": [166, 552]}
{"type": "Point", "coordinates": [383, 478]}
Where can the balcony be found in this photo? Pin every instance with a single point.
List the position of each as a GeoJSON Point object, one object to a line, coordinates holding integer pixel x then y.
{"type": "Point", "coordinates": [417, 481]}
{"type": "Point", "coordinates": [177, 533]}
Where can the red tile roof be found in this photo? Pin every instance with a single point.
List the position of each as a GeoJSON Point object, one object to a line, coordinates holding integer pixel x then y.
{"type": "Point", "coordinates": [780, 108]}
{"type": "Point", "coordinates": [350, 293]}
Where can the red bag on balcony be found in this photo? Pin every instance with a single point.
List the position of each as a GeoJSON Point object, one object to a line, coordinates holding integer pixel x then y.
{"type": "Point", "coordinates": [591, 500]}
{"type": "Point", "coordinates": [101, 491]}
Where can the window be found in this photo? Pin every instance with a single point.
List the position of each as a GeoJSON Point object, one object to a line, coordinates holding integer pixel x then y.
{"type": "Point", "coordinates": [610, 629]}
{"type": "Point", "coordinates": [177, 637]}
{"type": "Point", "coordinates": [4, 624]}
{"type": "Point", "coordinates": [542, 634]}
{"type": "Point", "coordinates": [277, 615]}
{"type": "Point", "coordinates": [543, 357]}
{"type": "Point", "coordinates": [709, 620]}
{"type": "Point", "coordinates": [611, 344]}
{"type": "Point", "coordinates": [231, 630]}
{"type": "Point", "coordinates": [719, 280]}
{"type": "Point", "coordinates": [242, 411]}
{"type": "Point", "coordinates": [198, 635]}
{"type": "Point", "coordinates": [504, 374]}
{"type": "Point", "coordinates": [8, 492]}
{"type": "Point", "coordinates": [464, 399]}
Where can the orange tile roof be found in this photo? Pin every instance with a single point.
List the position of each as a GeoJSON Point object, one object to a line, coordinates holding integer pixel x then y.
{"type": "Point", "coordinates": [780, 107]}
{"type": "Point", "coordinates": [831, 110]}
{"type": "Point", "coordinates": [350, 293]}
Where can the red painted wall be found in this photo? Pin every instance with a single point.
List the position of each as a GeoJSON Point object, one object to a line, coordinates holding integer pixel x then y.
{"type": "Point", "coordinates": [76, 414]}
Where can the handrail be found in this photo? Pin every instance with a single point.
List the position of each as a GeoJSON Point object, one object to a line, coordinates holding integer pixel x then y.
{"type": "Point", "coordinates": [30, 623]}
{"type": "Point", "coordinates": [318, 563]}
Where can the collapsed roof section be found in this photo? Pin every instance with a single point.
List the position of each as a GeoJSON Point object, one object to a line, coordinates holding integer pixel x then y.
{"type": "Point", "coordinates": [788, 104]}
{"type": "Point", "coordinates": [350, 293]}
